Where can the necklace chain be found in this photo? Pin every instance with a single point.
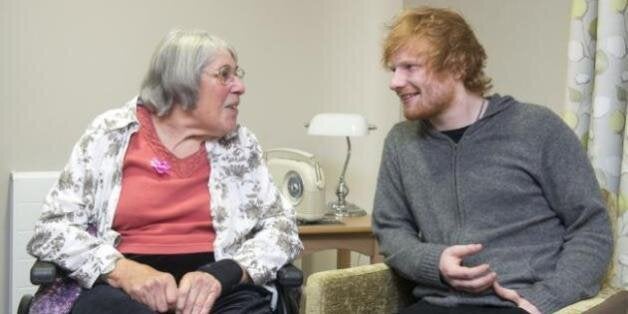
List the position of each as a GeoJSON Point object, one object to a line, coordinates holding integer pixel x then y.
{"type": "Point", "coordinates": [481, 111]}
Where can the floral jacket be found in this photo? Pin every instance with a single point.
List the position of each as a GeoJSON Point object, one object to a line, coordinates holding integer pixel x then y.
{"type": "Point", "coordinates": [254, 225]}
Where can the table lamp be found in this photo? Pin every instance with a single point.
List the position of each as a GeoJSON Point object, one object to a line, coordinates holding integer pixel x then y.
{"type": "Point", "coordinates": [347, 125]}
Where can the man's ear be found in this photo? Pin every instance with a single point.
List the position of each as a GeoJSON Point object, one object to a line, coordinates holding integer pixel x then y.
{"type": "Point", "coordinates": [459, 74]}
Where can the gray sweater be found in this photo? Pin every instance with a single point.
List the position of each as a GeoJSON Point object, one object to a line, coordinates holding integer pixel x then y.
{"type": "Point", "coordinates": [518, 182]}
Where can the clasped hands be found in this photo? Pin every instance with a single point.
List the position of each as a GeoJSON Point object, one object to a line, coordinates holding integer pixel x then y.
{"type": "Point", "coordinates": [476, 279]}
{"type": "Point", "coordinates": [196, 293]}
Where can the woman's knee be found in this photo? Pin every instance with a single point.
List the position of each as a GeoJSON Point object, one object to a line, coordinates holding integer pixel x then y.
{"type": "Point", "coordinates": [103, 298]}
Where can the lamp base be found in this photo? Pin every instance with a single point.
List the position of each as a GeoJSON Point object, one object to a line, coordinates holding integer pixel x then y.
{"type": "Point", "coordinates": [344, 210]}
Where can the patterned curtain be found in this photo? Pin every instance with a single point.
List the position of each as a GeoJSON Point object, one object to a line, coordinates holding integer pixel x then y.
{"type": "Point", "coordinates": [596, 107]}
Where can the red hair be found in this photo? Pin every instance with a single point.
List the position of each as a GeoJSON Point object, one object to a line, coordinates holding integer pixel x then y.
{"type": "Point", "coordinates": [453, 45]}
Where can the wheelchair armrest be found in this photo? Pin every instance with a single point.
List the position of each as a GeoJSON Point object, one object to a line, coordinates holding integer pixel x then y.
{"type": "Point", "coordinates": [290, 276]}
{"type": "Point", "coordinates": [43, 272]}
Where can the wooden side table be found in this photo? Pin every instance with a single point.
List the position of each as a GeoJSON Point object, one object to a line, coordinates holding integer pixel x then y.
{"type": "Point", "coordinates": [352, 234]}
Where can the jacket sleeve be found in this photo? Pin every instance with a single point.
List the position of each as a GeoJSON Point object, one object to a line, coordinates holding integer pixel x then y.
{"type": "Point", "coordinates": [274, 241]}
{"type": "Point", "coordinates": [397, 232]}
{"type": "Point", "coordinates": [571, 188]}
{"type": "Point", "coordinates": [60, 234]}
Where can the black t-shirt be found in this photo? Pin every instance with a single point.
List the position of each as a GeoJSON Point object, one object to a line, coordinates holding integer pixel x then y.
{"type": "Point", "coordinates": [456, 134]}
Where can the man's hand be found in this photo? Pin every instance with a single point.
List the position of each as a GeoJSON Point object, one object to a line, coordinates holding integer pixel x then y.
{"type": "Point", "coordinates": [158, 290]}
{"type": "Point", "coordinates": [513, 296]}
{"type": "Point", "coordinates": [197, 293]}
{"type": "Point", "coordinates": [470, 279]}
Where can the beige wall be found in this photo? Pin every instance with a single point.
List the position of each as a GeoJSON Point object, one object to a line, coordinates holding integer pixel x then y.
{"type": "Point", "coordinates": [63, 62]}
{"type": "Point", "coordinates": [526, 43]}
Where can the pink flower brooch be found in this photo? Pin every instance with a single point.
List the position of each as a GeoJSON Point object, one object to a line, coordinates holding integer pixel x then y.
{"type": "Point", "coordinates": [160, 166]}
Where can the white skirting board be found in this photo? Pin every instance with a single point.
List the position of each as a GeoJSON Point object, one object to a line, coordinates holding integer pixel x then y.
{"type": "Point", "coordinates": [26, 195]}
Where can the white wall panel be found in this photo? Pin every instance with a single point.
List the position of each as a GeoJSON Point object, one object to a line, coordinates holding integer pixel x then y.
{"type": "Point", "coordinates": [28, 190]}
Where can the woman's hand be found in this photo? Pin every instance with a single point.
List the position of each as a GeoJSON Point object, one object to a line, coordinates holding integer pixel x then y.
{"type": "Point", "coordinates": [513, 296]}
{"type": "Point", "coordinates": [158, 290]}
{"type": "Point", "coordinates": [197, 293]}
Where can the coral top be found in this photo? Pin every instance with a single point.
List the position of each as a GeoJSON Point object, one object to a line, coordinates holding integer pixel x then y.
{"type": "Point", "coordinates": [164, 202]}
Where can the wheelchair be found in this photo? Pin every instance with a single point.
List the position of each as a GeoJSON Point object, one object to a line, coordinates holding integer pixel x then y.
{"type": "Point", "coordinates": [289, 281]}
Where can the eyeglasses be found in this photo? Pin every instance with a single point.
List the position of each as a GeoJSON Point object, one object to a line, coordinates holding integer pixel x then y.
{"type": "Point", "coordinates": [226, 75]}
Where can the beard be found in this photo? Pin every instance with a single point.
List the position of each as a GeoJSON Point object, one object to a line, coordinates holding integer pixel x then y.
{"type": "Point", "coordinates": [430, 103]}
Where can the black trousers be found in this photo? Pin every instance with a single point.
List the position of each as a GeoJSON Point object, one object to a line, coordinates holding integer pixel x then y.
{"type": "Point", "coordinates": [424, 307]}
{"type": "Point", "coordinates": [104, 299]}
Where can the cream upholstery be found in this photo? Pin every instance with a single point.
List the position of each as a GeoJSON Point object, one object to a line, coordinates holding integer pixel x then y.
{"type": "Point", "coordinates": [376, 289]}
{"type": "Point", "coordinates": [363, 289]}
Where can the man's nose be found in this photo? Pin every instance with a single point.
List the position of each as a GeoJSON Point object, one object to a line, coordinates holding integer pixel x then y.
{"type": "Point", "coordinates": [397, 80]}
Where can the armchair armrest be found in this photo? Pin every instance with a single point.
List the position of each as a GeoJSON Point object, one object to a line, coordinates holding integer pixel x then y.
{"type": "Point", "coordinates": [617, 303]}
{"type": "Point", "coordinates": [363, 289]}
{"type": "Point", "coordinates": [597, 303]}
{"type": "Point", "coordinates": [43, 272]}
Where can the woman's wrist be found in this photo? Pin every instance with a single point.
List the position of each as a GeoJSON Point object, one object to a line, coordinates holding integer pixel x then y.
{"type": "Point", "coordinates": [107, 270]}
{"type": "Point", "coordinates": [121, 270]}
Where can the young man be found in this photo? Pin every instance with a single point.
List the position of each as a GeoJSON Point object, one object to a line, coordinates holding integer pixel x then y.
{"type": "Point", "coordinates": [488, 204]}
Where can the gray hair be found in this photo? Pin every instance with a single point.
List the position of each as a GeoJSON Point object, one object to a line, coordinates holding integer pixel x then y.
{"type": "Point", "coordinates": [174, 73]}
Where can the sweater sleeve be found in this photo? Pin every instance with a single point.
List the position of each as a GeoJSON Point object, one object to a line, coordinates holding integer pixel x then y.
{"type": "Point", "coordinates": [571, 188]}
{"type": "Point", "coordinates": [393, 224]}
{"type": "Point", "coordinates": [60, 234]}
{"type": "Point", "coordinates": [275, 240]}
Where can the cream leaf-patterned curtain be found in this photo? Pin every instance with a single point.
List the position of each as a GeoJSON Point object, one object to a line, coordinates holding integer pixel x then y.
{"type": "Point", "coordinates": [597, 78]}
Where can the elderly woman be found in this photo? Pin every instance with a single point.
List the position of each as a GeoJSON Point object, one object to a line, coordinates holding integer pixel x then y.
{"type": "Point", "coordinates": [165, 204]}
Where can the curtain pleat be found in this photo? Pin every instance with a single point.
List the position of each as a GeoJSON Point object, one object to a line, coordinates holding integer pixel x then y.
{"type": "Point", "coordinates": [595, 108]}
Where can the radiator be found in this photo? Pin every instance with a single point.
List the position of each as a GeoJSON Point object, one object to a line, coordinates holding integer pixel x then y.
{"type": "Point", "coordinates": [26, 195]}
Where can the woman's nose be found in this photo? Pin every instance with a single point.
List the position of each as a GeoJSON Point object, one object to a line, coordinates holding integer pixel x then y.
{"type": "Point", "coordinates": [238, 86]}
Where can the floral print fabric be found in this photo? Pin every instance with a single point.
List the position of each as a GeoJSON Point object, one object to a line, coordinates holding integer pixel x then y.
{"type": "Point", "coordinates": [254, 225]}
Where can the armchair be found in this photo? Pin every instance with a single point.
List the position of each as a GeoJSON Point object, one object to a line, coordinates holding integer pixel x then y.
{"type": "Point", "coordinates": [363, 289]}
{"type": "Point", "coordinates": [377, 289]}
{"type": "Point", "coordinates": [288, 282]}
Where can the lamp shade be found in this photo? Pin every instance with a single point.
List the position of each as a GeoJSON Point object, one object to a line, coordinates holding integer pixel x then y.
{"type": "Point", "coordinates": [338, 124]}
